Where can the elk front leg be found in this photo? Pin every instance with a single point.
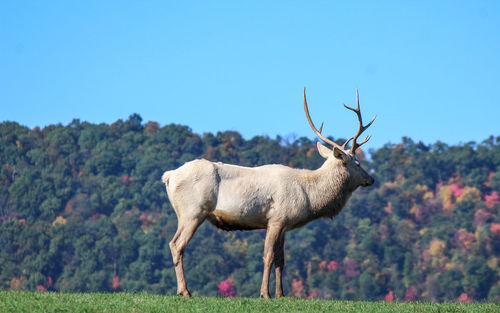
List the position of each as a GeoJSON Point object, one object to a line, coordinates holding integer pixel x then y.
{"type": "Point", "coordinates": [279, 264]}
{"type": "Point", "coordinates": [272, 235]}
{"type": "Point", "coordinates": [185, 231]}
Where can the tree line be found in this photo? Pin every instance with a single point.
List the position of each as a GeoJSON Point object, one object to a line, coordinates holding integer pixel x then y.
{"type": "Point", "coordinates": [82, 209]}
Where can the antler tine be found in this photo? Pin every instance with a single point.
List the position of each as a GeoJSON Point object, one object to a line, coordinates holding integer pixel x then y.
{"type": "Point", "coordinates": [316, 131]}
{"type": "Point", "coordinates": [361, 128]}
{"type": "Point", "coordinates": [345, 143]}
{"type": "Point", "coordinates": [366, 139]}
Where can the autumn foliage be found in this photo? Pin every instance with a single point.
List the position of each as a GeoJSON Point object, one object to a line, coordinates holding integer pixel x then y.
{"type": "Point", "coordinates": [82, 209]}
{"type": "Point", "coordinates": [226, 288]}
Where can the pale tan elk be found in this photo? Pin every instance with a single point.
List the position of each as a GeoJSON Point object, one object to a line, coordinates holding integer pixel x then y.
{"type": "Point", "coordinates": [272, 197]}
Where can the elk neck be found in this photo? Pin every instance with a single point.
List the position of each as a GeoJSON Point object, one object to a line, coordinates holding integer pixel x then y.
{"type": "Point", "coordinates": [329, 188]}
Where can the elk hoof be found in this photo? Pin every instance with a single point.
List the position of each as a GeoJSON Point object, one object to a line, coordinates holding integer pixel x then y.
{"type": "Point", "coordinates": [184, 293]}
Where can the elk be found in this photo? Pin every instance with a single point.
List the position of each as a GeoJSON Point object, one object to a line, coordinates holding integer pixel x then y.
{"type": "Point", "coordinates": [272, 197]}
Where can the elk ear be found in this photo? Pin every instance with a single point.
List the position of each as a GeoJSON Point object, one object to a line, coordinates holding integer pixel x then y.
{"type": "Point", "coordinates": [339, 154]}
{"type": "Point", "coordinates": [323, 151]}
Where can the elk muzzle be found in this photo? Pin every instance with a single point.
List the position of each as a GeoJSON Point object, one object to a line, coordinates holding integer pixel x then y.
{"type": "Point", "coordinates": [368, 182]}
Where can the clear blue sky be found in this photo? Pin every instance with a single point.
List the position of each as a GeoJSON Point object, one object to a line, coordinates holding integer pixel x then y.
{"type": "Point", "coordinates": [430, 70]}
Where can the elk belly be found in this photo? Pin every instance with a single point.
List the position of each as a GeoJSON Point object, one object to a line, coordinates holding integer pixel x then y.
{"type": "Point", "coordinates": [240, 209]}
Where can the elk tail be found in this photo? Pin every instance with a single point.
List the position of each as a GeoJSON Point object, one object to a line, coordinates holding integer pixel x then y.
{"type": "Point", "coordinates": [165, 177]}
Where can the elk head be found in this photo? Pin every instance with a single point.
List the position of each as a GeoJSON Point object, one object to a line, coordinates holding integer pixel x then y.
{"type": "Point", "coordinates": [347, 157]}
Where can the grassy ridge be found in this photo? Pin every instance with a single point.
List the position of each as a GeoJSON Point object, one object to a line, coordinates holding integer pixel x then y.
{"type": "Point", "coordinates": [12, 301]}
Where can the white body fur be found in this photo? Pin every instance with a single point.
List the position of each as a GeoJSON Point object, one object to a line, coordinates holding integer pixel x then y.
{"type": "Point", "coordinates": [249, 198]}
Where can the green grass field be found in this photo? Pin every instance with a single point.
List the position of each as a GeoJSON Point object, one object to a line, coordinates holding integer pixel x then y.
{"type": "Point", "coordinates": [13, 301]}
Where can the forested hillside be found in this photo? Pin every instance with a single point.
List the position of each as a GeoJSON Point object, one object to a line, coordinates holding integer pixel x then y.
{"type": "Point", "coordinates": [82, 208]}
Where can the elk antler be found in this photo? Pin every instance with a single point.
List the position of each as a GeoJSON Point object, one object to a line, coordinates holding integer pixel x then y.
{"type": "Point", "coordinates": [361, 128]}
{"type": "Point", "coordinates": [318, 132]}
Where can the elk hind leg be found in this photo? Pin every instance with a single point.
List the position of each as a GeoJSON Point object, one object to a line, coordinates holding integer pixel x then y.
{"type": "Point", "coordinates": [185, 231]}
